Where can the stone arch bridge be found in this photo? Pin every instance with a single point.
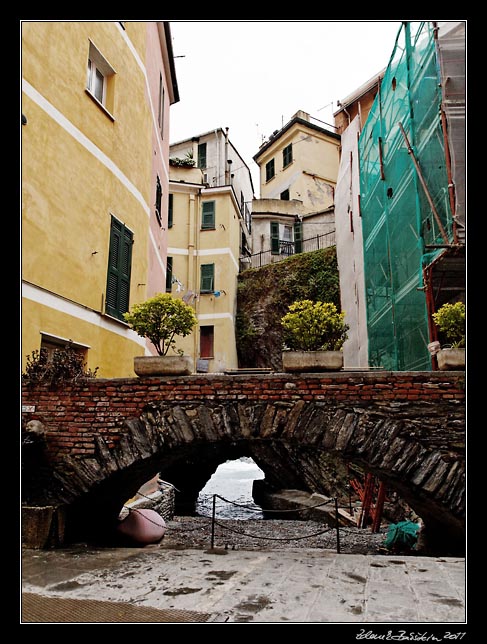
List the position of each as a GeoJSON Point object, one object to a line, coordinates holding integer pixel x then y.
{"type": "Point", "coordinates": [102, 439]}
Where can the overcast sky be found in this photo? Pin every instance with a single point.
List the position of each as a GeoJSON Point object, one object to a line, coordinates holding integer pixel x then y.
{"type": "Point", "coordinates": [252, 77]}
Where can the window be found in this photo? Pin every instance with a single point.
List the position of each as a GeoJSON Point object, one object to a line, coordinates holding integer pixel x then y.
{"type": "Point", "coordinates": [287, 234]}
{"type": "Point", "coordinates": [158, 200]}
{"type": "Point", "coordinates": [99, 74]}
{"type": "Point", "coordinates": [169, 275]}
{"type": "Point", "coordinates": [161, 105]}
{"type": "Point", "coordinates": [285, 195]}
{"type": "Point", "coordinates": [207, 284]}
{"type": "Point", "coordinates": [298, 237]}
{"type": "Point", "coordinates": [51, 343]}
{"type": "Point", "coordinates": [202, 155]}
{"type": "Point", "coordinates": [119, 265]}
{"type": "Point", "coordinates": [207, 334]}
{"type": "Point", "coordinates": [287, 155]}
{"type": "Point", "coordinates": [169, 212]}
{"type": "Point", "coordinates": [274, 238]}
{"type": "Point", "coordinates": [269, 170]}
{"type": "Point", "coordinates": [208, 215]}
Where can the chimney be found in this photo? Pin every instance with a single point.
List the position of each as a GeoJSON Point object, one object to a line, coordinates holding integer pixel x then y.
{"type": "Point", "coordinates": [301, 115]}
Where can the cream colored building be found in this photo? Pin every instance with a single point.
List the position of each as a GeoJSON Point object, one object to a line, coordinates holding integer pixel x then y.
{"type": "Point", "coordinates": [298, 173]}
{"type": "Point", "coordinates": [95, 128]}
{"type": "Point", "coordinates": [207, 233]}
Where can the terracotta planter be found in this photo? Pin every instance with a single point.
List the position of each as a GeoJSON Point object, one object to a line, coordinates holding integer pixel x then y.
{"type": "Point", "coordinates": [311, 361]}
{"type": "Point", "coordinates": [451, 359]}
{"type": "Point", "coordinates": [147, 366]}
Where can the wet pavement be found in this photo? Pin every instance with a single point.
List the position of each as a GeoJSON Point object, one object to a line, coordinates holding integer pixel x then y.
{"type": "Point", "coordinates": [293, 585]}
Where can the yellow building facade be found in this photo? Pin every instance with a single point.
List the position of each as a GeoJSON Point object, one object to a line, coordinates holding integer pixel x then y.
{"type": "Point", "coordinates": [300, 162]}
{"type": "Point", "coordinates": [203, 253]}
{"type": "Point", "coordinates": [88, 118]}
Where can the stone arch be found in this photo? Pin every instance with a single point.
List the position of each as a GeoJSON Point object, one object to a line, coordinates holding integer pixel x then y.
{"type": "Point", "coordinates": [405, 444]}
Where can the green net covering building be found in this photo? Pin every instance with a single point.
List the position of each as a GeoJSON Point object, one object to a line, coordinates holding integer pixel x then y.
{"type": "Point", "coordinates": [412, 218]}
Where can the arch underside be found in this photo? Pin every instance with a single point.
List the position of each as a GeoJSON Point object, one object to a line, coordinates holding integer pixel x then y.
{"type": "Point", "coordinates": [416, 448]}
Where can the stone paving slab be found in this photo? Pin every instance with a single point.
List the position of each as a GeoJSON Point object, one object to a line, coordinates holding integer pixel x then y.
{"type": "Point", "coordinates": [272, 586]}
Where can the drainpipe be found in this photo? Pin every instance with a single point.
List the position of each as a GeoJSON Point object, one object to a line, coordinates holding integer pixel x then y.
{"type": "Point", "coordinates": [227, 168]}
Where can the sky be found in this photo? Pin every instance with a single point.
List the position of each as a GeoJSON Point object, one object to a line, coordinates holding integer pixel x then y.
{"type": "Point", "coordinates": [253, 76]}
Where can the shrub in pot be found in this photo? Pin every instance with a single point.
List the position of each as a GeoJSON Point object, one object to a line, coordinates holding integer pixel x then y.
{"type": "Point", "coordinates": [161, 319]}
{"type": "Point", "coordinates": [450, 322]}
{"type": "Point", "coordinates": [313, 335]}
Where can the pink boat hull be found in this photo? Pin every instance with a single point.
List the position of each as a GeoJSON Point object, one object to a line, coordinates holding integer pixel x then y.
{"type": "Point", "coordinates": [143, 526]}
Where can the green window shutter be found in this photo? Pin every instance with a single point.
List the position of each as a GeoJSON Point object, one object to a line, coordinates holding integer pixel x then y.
{"type": "Point", "coordinates": [269, 170]}
{"type": "Point", "coordinates": [287, 155]}
{"type": "Point", "coordinates": [274, 237]}
{"type": "Point", "coordinates": [202, 155]}
{"type": "Point", "coordinates": [169, 275]}
{"type": "Point", "coordinates": [298, 237]}
{"type": "Point", "coordinates": [158, 200]}
{"type": "Point", "coordinates": [208, 215]}
{"type": "Point", "coordinates": [170, 212]}
{"type": "Point", "coordinates": [207, 278]}
{"type": "Point", "coordinates": [119, 267]}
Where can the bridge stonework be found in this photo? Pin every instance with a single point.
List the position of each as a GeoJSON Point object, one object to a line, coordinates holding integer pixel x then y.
{"type": "Point", "coordinates": [104, 438]}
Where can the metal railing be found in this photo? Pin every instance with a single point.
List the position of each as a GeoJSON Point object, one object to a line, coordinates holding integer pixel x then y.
{"type": "Point", "coordinates": [286, 249]}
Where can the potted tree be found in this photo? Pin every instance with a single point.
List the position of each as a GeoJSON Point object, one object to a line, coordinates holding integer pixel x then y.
{"type": "Point", "coordinates": [160, 319]}
{"type": "Point", "coordinates": [450, 322]}
{"type": "Point", "coordinates": [314, 333]}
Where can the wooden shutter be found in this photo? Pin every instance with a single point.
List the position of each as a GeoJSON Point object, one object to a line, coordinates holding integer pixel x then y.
{"type": "Point", "coordinates": [169, 275]}
{"type": "Point", "coordinates": [274, 238]}
{"type": "Point", "coordinates": [208, 215]}
{"type": "Point", "coordinates": [170, 212]}
{"type": "Point", "coordinates": [207, 278]}
{"type": "Point", "coordinates": [202, 155]}
{"type": "Point", "coordinates": [119, 266]}
{"type": "Point", "coordinates": [298, 237]}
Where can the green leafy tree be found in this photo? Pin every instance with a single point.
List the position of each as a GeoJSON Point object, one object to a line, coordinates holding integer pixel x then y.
{"type": "Point", "coordinates": [160, 319]}
{"type": "Point", "coordinates": [314, 326]}
{"type": "Point", "coordinates": [450, 321]}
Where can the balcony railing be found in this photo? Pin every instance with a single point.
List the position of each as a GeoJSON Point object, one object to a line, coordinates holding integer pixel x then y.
{"type": "Point", "coordinates": [286, 249]}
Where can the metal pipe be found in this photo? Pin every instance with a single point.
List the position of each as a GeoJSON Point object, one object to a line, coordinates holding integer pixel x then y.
{"type": "Point", "coordinates": [423, 183]}
{"type": "Point", "coordinates": [337, 525]}
{"type": "Point", "coordinates": [213, 523]}
{"type": "Point", "coordinates": [451, 185]}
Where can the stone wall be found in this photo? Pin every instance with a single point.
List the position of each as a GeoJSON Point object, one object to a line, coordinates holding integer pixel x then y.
{"type": "Point", "coordinates": [104, 438]}
{"type": "Point", "coordinates": [74, 416]}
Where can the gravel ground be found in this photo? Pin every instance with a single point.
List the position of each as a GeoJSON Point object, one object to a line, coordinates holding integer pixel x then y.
{"type": "Point", "coordinates": [195, 532]}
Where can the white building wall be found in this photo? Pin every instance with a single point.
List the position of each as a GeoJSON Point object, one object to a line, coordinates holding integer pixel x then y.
{"type": "Point", "coordinates": [349, 249]}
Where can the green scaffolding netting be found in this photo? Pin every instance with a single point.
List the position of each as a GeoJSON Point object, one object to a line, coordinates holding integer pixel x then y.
{"type": "Point", "coordinates": [399, 224]}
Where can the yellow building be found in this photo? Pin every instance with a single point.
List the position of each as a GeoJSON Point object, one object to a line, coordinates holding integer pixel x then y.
{"type": "Point", "coordinates": [207, 230]}
{"type": "Point", "coordinates": [95, 115]}
{"type": "Point", "coordinates": [298, 174]}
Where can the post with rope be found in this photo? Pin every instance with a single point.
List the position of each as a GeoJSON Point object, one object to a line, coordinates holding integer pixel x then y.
{"type": "Point", "coordinates": [337, 525]}
{"type": "Point", "coordinates": [213, 522]}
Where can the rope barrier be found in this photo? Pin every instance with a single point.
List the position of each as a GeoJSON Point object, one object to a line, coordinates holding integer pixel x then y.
{"type": "Point", "coordinates": [253, 536]}
{"type": "Point", "coordinates": [256, 536]}
{"type": "Point", "coordinates": [260, 509]}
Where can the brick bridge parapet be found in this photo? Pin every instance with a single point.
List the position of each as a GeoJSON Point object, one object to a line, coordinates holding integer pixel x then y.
{"type": "Point", "coordinates": [75, 414]}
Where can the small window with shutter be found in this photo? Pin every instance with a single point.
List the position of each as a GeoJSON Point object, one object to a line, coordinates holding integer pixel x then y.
{"type": "Point", "coordinates": [208, 216]}
{"type": "Point", "coordinates": [207, 284]}
{"type": "Point", "coordinates": [119, 267]}
{"type": "Point", "coordinates": [158, 200]}
{"type": "Point", "coordinates": [170, 212]}
{"type": "Point", "coordinates": [274, 238]}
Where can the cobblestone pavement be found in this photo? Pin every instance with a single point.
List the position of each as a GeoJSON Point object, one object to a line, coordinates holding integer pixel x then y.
{"type": "Point", "coordinates": [280, 583]}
